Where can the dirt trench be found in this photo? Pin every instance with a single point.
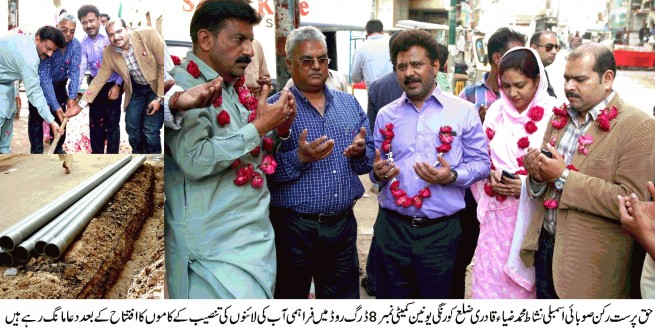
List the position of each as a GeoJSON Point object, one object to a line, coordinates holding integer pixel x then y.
{"type": "Point", "coordinates": [119, 255]}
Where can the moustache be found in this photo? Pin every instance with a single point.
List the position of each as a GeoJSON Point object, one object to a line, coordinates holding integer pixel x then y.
{"type": "Point", "coordinates": [572, 94]}
{"type": "Point", "coordinates": [244, 60]}
{"type": "Point", "coordinates": [410, 80]}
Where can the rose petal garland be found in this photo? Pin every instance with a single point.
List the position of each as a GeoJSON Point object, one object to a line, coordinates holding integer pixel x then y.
{"type": "Point", "coordinates": [561, 115]}
{"type": "Point", "coordinates": [223, 118]}
{"type": "Point", "coordinates": [583, 142]}
{"type": "Point", "coordinates": [605, 117]}
{"type": "Point", "coordinates": [192, 69]}
{"type": "Point", "coordinates": [267, 142]}
{"type": "Point", "coordinates": [490, 133]}
{"type": "Point", "coordinates": [268, 165]}
{"type": "Point", "coordinates": [245, 173]}
{"type": "Point", "coordinates": [551, 203]}
{"type": "Point", "coordinates": [523, 142]}
{"type": "Point", "coordinates": [489, 190]}
{"type": "Point", "coordinates": [536, 113]}
{"type": "Point", "coordinates": [530, 127]}
{"type": "Point", "coordinates": [257, 181]}
{"type": "Point", "coordinates": [388, 134]}
{"type": "Point", "coordinates": [446, 137]}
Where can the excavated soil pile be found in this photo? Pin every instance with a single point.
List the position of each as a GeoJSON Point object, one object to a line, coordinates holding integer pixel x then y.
{"type": "Point", "coordinates": [96, 264]}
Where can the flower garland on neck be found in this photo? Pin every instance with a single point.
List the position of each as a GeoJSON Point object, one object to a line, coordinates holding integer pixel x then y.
{"type": "Point", "coordinates": [245, 173]}
{"type": "Point", "coordinates": [446, 137]}
{"type": "Point", "coordinates": [536, 114]}
{"type": "Point", "coordinates": [561, 119]}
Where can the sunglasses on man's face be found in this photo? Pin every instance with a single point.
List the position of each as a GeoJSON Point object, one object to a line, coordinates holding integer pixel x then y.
{"type": "Point", "coordinates": [549, 46]}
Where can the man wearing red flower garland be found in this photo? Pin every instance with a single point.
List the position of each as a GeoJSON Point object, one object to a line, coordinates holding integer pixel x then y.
{"type": "Point", "coordinates": [137, 56]}
{"type": "Point", "coordinates": [219, 240]}
{"type": "Point", "coordinates": [601, 148]}
{"type": "Point", "coordinates": [438, 150]}
{"type": "Point", "coordinates": [314, 189]}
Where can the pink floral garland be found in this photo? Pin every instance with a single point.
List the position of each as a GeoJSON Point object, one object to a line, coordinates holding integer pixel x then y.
{"type": "Point", "coordinates": [245, 173]}
{"type": "Point", "coordinates": [446, 137]}
{"type": "Point", "coordinates": [536, 114]}
{"type": "Point", "coordinates": [561, 115]}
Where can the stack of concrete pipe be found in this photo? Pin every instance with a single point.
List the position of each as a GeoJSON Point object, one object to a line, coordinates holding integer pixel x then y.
{"type": "Point", "coordinates": [50, 230]}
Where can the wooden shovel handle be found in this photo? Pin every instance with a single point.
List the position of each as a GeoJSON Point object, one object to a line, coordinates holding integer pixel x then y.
{"type": "Point", "coordinates": [53, 145]}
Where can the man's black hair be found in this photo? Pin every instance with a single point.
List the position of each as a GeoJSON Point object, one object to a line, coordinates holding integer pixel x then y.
{"type": "Point", "coordinates": [53, 34]}
{"type": "Point", "coordinates": [213, 14]}
{"type": "Point", "coordinates": [86, 9]}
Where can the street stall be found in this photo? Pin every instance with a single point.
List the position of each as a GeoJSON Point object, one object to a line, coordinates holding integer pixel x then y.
{"type": "Point", "coordinates": [634, 56]}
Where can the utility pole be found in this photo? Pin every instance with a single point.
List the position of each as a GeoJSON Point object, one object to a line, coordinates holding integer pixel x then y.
{"type": "Point", "coordinates": [287, 19]}
{"type": "Point", "coordinates": [628, 17]}
{"type": "Point", "coordinates": [452, 21]}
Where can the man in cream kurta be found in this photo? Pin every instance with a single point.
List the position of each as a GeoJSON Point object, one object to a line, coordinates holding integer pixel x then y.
{"type": "Point", "coordinates": [20, 55]}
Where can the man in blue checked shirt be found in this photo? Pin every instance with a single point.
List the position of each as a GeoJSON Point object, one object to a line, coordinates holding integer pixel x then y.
{"type": "Point", "coordinates": [55, 72]}
{"type": "Point", "coordinates": [316, 182]}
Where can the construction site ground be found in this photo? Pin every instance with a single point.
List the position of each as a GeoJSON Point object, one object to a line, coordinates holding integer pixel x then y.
{"type": "Point", "coordinates": [120, 254]}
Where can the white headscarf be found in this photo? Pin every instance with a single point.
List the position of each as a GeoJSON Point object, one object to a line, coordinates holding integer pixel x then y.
{"type": "Point", "coordinates": [509, 126]}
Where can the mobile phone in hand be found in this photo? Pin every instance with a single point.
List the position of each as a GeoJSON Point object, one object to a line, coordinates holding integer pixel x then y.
{"type": "Point", "coordinates": [508, 174]}
{"type": "Point", "coordinates": [547, 153]}
{"type": "Point", "coordinates": [149, 111]}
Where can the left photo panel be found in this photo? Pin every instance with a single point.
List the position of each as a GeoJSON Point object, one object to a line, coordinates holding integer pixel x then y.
{"type": "Point", "coordinates": [82, 77]}
{"type": "Point", "coordinates": [81, 226]}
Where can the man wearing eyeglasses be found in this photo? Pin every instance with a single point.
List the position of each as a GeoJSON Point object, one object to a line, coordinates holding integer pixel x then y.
{"type": "Point", "coordinates": [547, 45]}
{"type": "Point", "coordinates": [55, 72]}
{"type": "Point", "coordinates": [316, 183]}
{"type": "Point", "coordinates": [137, 56]}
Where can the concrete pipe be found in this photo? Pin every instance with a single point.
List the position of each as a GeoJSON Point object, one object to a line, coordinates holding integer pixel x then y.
{"type": "Point", "coordinates": [57, 246]}
{"type": "Point", "coordinates": [16, 233]}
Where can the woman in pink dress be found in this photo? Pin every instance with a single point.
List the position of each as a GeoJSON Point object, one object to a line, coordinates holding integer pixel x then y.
{"type": "Point", "coordinates": [515, 121]}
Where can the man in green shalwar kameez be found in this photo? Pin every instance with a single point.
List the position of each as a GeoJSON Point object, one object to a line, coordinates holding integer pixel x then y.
{"type": "Point", "coordinates": [218, 237]}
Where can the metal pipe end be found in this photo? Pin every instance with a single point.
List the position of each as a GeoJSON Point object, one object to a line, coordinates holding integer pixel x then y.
{"type": "Point", "coordinates": [22, 252]}
{"type": "Point", "coordinates": [6, 259]}
{"type": "Point", "coordinates": [39, 246]}
{"type": "Point", "coordinates": [7, 241]}
{"type": "Point", "coordinates": [52, 250]}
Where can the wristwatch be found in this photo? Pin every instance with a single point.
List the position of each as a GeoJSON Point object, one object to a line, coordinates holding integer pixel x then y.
{"type": "Point", "coordinates": [561, 181]}
{"type": "Point", "coordinates": [454, 176]}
